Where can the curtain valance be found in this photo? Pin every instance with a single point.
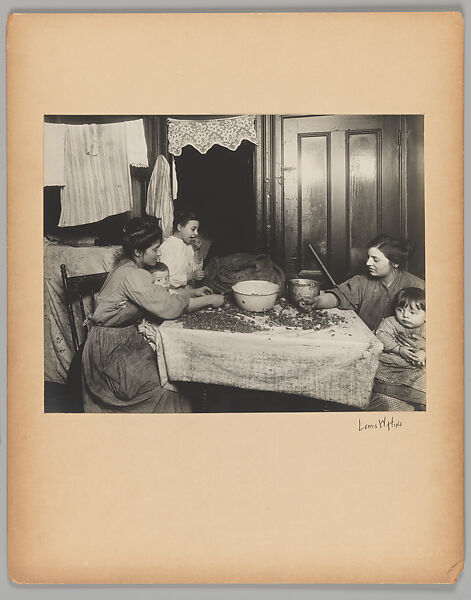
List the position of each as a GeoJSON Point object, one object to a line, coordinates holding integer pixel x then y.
{"type": "Point", "coordinates": [202, 135]}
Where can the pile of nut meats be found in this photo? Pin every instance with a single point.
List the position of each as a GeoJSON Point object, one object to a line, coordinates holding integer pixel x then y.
{"type": "Point", "coordinates": [230, 318]}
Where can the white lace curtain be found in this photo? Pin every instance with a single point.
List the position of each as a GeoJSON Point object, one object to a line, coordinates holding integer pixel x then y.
{"type": "Point", "coordinates": [202, 135]}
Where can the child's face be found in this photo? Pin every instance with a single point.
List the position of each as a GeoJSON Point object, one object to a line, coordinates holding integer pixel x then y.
{"type": "Point", "coordinates": [410, 316]}
{"type": "Point", "coordinates": [162, 278]}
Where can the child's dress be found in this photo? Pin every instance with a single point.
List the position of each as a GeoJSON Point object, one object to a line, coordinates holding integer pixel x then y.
{"type": "Point", "coordinates": [398, 384]}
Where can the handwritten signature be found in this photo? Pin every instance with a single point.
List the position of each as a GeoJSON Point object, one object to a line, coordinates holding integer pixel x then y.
{"type": "Point", "coordinates": [385, 423]}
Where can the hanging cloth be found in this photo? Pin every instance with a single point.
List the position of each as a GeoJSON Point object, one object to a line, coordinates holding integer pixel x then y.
{"type": "Point", "coordinates": [136, 143]}
{"type": "Point", "coordinates": [54, 167]}
{"type": "Point", "coordinates": [54, 149]}
{"type": "Point", "coordinates": [159, 196]}
{"type": "Point", "coordinates": [174, 179]}
{"type": "Point", "coordinates": [97, 175]}
{"type": "Point", "coordinates": [202, 135]}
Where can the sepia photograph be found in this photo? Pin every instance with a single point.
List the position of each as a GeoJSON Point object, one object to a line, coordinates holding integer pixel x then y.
{"type": "Point", "coordinates": [235, 222]}
{"type": "Point", "coordinates": [234, 263]}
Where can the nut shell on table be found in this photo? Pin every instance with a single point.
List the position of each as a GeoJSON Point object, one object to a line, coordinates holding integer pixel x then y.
{"type": "Point", "coordinates": [230, 318]}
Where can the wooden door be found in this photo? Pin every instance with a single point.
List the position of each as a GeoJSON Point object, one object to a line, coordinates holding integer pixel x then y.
{"type": "Point", "coordinates": [340, 179]}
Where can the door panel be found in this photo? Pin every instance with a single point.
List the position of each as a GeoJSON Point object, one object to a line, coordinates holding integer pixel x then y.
{"type": "Point", "coordinates": [340, 179]}
{"type": "Point", "coordinates": [363, 191]}
{"type": "Point", "coordinates": [314, 179]}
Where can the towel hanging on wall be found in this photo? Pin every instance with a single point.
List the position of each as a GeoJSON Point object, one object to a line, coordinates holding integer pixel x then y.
{"type": "Point", "coordinates": [54, 137]}
{"type": "Point", "coordinates": [54, 148]}
{"type": "Point", "coordinates": [97, 175]}
{"type": "Point", "coordinates": [174, 179]}
{"type": "Point", "coordinates": [202, 135]}
{"type": "Point", "coordinates": [136, 143]}
{"type": "Point", "coordinates": [159, 196]}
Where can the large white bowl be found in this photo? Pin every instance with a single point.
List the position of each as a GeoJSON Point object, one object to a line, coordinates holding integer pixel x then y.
{"type": "Point", "coordinates": [255, 295]}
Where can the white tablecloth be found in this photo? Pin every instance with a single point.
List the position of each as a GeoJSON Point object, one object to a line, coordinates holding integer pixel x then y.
{"type": "Point", "coordinates": [337, 364]}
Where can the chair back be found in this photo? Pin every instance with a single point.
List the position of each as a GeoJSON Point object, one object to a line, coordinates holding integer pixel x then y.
{"type": "Point", "coordinates": [75, 290]}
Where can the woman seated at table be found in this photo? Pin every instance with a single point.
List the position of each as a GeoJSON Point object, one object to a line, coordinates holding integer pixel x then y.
{"type": "Point", "coordinates": [181, 252]}
{"type": "Point", "coordinates": [119, 368]}
{"type": "Point", "coordinates": [372, 295]}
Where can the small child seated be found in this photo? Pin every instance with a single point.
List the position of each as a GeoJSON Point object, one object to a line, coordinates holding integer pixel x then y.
{"type": "Point", "coordinates": [409, 318]}
{"type": "Point", "coordinates": [400, 378]}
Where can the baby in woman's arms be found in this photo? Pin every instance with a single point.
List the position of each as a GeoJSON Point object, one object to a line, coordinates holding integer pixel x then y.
{"type": "Point", "coordinates": [161, 275]}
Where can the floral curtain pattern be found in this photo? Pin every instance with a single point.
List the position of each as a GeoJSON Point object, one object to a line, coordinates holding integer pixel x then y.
{"type": "Point", "coordinates": [202, 135]}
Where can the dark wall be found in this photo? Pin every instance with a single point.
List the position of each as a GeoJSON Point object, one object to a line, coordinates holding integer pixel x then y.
{"type": "Point", "coordinates": [414, 184]}
{"type": "Point", "coordinates": [219, 186]}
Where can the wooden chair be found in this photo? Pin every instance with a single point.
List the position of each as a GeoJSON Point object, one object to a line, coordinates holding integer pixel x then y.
{"type": "Point", "coordinates": [75, 290]}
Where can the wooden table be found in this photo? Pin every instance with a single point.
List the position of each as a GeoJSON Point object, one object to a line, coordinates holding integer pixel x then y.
{"type": "Point", "coordinates": [337, 364]}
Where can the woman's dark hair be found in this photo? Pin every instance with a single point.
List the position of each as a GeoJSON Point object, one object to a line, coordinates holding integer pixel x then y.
{"type": "Point", "coordinates": [395, 250]}
{"type": "Point", "coordinates": [140, 233]}
{"type": "Point", "coordinates": [409, 296]}
{"type": "Point", "coordinates": [182, 217]}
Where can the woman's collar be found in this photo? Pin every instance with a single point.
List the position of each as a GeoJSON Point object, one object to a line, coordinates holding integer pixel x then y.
{"type": "Point", "coordinates": [389, 285]}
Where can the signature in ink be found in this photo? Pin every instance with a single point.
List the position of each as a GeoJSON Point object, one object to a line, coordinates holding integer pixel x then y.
{"type": "Point", "coordinates": [385, 423]}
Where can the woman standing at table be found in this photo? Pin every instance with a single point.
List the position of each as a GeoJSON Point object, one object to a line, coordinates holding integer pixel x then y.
{"type": "Point", "coordinates": [181, 251]}
{"type": "Point", "coordinates": [372, 295]}
{"type": "Point", "coordinates": [119, 368]}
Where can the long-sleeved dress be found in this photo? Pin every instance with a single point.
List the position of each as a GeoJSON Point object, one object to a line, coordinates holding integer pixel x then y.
{"type": "Point", "coordinates": [119, 368]}
{"type": "Point", "coordinates": [372, 298]}
{"type": "Point", "coordinates": [180, 260]}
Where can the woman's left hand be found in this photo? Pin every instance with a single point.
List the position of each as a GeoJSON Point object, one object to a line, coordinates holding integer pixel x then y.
{"type": "Point", "coordinates": [203, 291]}
{"type": "Point", "coordinates": [195, 276]}
{"type": "Point", "coordinates": [196, 243]}
{"type": "Point", "coordinates": [417, 342]}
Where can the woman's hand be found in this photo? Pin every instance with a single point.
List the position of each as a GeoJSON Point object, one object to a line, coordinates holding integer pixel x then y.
{"type": "Point", "coordinates": [215, 300]}
{"type": "Point", "coordinates": [308, 304]}
{"type": "Point", "coordinates": [203, 291]}
{"type": "Point", "coordinates": [196, 243]}
{"type": "Point", "coordinates": [196, 276]}
{"type": "Point", "coordinates": [326, 300]}
{"type": "Point", "coordinates": [414, 341]}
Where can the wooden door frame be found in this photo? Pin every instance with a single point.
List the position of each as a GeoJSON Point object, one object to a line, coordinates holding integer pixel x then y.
{"type": "Point", "coordinates": [268, 186]}
{"type": "Point", "coordinates": [268, 183]}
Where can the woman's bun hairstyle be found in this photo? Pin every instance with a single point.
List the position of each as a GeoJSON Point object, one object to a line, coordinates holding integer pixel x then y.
{"type": "Point", "coordinates": [396, 250]}
{"type": "Point", "coordinates": [140, 233]}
